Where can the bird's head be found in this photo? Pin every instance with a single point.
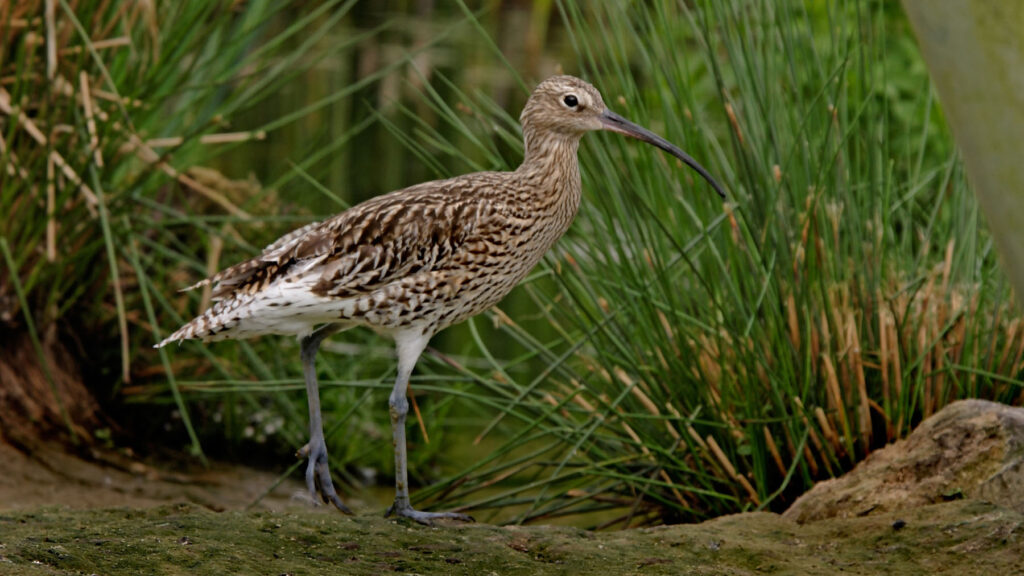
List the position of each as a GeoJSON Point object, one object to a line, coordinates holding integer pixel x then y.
{"type": "Point", "coordinates": [569, 107]}
{"type": "Point", "coordinates": [564, 105]}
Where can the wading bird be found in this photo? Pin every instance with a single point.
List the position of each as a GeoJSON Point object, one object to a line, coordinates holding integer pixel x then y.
{"type": "Point", "coordinates": [415, 261]}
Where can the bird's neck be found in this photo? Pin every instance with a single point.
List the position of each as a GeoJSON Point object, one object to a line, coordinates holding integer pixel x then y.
{"type": "Point", "coordinates": [544, 150]}
{"type": "Point", "coordinates": [551, 169]}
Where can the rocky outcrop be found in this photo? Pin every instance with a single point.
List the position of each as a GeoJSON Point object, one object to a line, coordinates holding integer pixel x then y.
{"type": "Point", "coordinates": [971, 448]}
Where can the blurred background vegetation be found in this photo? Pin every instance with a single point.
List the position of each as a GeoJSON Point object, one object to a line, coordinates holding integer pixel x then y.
{"type": "Point", "coordinates": [673, 359]}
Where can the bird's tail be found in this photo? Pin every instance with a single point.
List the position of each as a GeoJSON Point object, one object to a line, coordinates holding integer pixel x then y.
{"type": "Point", "coordinates": [189, 331]}
{"type": "Point", "coordinates": [186, 332]}
{"type": "Point", "coordinates": [217, 319]}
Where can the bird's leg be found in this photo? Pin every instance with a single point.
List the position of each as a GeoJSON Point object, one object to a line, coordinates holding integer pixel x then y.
{"type": "Point", "coordinates": [409, 351]}
{"type": "Point", "coordinates": [318, 474]}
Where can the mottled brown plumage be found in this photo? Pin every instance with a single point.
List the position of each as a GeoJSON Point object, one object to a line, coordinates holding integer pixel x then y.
{"type": "Point", "coordinates": [410, 263]}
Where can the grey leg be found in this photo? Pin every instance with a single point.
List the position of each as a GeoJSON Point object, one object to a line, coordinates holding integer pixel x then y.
{"type": "Point", "coordinates": [318, 474]}
{"type": "Point", "coordinates": [409, 350]}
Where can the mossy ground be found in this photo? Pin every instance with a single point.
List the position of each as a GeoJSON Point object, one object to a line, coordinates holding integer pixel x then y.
{"type": "Point", "coordinates": [961, 537]}
{"type": "Point", "coordinates": [62, 514]}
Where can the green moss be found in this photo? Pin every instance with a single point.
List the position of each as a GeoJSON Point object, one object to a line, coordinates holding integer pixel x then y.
{"type": "Point", "coordinates": [963, 537]}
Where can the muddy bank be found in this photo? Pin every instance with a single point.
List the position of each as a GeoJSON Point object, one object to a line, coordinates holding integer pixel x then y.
{"type": "Point", "coordinates": [946, 500]}
{"type": "Point", "coordinates": [961, 537]}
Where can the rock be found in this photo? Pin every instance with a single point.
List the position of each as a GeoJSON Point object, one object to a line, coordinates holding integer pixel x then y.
{"type": "Point", "coordinates": [970, 448]}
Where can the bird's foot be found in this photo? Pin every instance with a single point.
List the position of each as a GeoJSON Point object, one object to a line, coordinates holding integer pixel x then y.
{"type": "Point", "coordinates": [318, 476]}
{"type": "Point", "coordinates": [405, 510]}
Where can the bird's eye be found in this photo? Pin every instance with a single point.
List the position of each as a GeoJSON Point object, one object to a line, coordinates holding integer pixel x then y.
{"type": "Point", "coordinates": [571, 101]}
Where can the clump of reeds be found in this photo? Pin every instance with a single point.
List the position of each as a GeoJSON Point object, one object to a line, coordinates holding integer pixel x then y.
{"type": "Point", "coordinates": [108, 110]}
{"type": "Point", "coordinates": [691, 358]}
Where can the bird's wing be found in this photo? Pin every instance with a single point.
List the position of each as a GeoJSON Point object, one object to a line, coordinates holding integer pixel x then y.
{"type": "Point", "coordinates": [383, 239]}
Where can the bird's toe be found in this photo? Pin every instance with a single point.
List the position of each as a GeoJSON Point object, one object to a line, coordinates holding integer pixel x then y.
{"type": "Point", "coordinates": [318, 477]}
{"type": "Point", "coordinates": [425, 518]}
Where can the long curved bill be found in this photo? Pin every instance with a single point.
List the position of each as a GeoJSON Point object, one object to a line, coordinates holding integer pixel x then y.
{"type": "Point", "coordinates": [615, 123]}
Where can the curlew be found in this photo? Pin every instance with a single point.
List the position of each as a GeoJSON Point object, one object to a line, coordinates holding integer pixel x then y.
{"type": "Point", "coordinates": [415, 261]}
